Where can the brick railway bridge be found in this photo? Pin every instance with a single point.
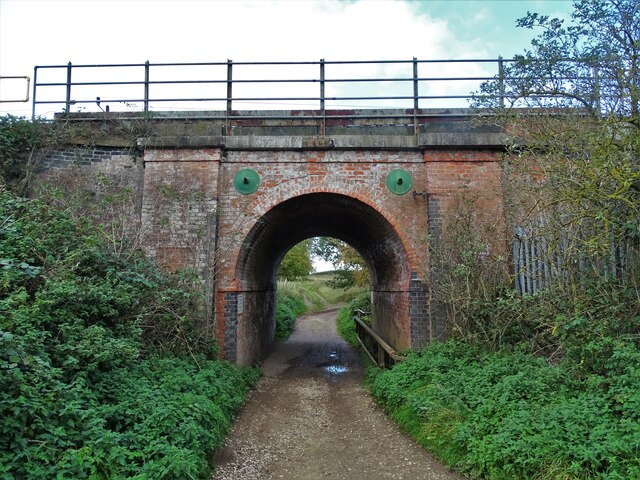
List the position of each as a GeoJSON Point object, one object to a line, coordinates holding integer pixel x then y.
{"type": "Point", "coordinates": [228, 193]}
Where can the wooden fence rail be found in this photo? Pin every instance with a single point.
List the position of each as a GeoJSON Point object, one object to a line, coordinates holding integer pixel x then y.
{"type": "Point", "coordinates": [379, 351]}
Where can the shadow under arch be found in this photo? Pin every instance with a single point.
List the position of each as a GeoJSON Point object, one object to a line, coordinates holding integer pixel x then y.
{"type": "Point", "coordinates": [313, 215]}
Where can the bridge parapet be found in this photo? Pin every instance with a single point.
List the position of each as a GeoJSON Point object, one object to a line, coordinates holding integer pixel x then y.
{"type": "Point", "coordinates": [297, 130]}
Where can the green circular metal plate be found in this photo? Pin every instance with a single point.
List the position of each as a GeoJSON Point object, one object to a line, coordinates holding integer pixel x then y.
{"type": "Point", "coordinates": [246, 181]}
{"type": "Point", "coordinates": [399, 182]}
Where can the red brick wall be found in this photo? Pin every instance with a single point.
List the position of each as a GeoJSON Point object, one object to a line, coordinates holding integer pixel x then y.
{"type": "Point", "coordinates": [192, 208]}
{"type": "Point", "coordinates": [360, 175]}
{"type": "Point", "coordinates": [179, 208]}
{"type": "Point", "coordinates": [450, 175]}
{"type": "Point", "coordinates": [190, 215]}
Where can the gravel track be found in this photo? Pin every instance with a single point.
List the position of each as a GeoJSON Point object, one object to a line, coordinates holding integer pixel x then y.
{"type": "Point", "coordinates": [309, 418]}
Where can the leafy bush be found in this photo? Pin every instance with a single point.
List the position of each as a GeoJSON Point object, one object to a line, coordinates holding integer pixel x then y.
{"type": "Point", "coordinates": [346, 326]}
{"type": "Point", "coordinates": [20, 142]}
{"type": "Point", "coordinates": [156, 419]}
{"type": "Point", "coordinates": [103, 371]}
{"type": "Point", "coordinates": [288, 308]}
{"type": "Point", "coordinates": [511, 415]}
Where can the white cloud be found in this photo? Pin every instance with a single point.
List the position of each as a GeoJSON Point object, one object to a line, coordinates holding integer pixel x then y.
{"type": "Point", "coordinates": [97, 32]}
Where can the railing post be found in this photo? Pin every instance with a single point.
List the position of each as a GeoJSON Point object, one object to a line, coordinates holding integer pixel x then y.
{"type": "Point", "coordinates": [35, 82]}
{"type": "Point", "coordinates": [501, 80]}
{"type": "Point", "coordinates": [416, 127]}
{"type": "Point", "coordinates": [229, 95]}
{"type": "Point", "coordinates": [596, 88]}
{"type": "Point", "coordinates": [146, 87]}
{"type": "Point", "coordinates": [323, 121]}
{"type": "Point", "coordinates": [68, 101]}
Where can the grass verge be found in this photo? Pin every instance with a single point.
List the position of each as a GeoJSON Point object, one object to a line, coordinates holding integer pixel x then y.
{"type": "Point", "coordinates": [346, 326]}
{"type": "Point", "coordinates": [317, 294]}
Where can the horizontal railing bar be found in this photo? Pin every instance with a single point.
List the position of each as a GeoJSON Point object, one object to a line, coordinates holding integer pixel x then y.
{"type": "Point", "coordinates": [104, 65]}
{"type": "Point", "coordinates": [236, 99]}
{"type": "Point", "coordinates": [284, 99]}
{"type": "Point", "coordinates": [150, 116]}
{"type": "Point", "coordinates": [301, 80]}
{"type": "Point", "coordinates": [76, 102]}
{"type": "Point", "coordinates": [289, 99]}
{"type": "Point", "coordinates": [325, 62]}
{"type": "Point", "coordinates": [74, 84]}
{"type": "Point", "coordinates": [472, 60]}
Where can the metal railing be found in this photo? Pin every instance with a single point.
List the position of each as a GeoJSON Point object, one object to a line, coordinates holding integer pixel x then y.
{"type": "Point", "coordinates": [402, 90]}
{"type": "Point", "coordinates": [324, 88]}
{"type": "Point", "coordinates": [27, 87]}
{"type": "Point", "coordinates": [379, 351]}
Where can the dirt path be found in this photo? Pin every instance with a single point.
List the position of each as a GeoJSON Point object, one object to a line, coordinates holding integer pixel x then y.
{"type": "Point", "coordinates": [309, 418]}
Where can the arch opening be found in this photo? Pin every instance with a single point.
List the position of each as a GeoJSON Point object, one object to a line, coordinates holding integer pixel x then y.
{"type": "Point", "coordinates": [314, 215]}
{"type": "Point", "coordinates": [347, 265]}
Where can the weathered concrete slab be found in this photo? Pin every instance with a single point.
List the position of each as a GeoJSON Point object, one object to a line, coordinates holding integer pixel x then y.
{"type": "Point", "coordinates": [468, 139]}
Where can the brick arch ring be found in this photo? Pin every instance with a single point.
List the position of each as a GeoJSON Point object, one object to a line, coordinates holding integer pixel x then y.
{"type": "Point", "coordinates": [310, 214]}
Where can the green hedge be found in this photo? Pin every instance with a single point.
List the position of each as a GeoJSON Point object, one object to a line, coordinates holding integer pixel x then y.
{"type": "Point", "coordinates": [288, 307]}
{"type": "Point", "coordinates": [104, 371]}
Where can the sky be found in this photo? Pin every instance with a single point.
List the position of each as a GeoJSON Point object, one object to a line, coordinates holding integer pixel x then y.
{"type": "Point", "coordinates": [54, 32]}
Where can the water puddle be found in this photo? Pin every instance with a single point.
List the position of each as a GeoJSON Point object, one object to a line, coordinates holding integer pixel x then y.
{"type": "Point", "coordinates": [336, 369]}
{"type": "Point", "coordinates": [334, 364]}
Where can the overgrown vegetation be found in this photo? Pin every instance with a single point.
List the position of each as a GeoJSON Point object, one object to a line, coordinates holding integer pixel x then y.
{"type": "Point", "coordinates": [469, 271]}
{"type": "Point", "coordinates": [288, 307]}
{"type": "Point", "coordinates": [104, 371]}
{"type": "Point", "coordinates": [544, 384]}
{"type": "Point", "coordinates": [20, 141]}
{"type": "Point", "coordinates": [346, 327]}
{"type": "Point", "coordinates": [512, 415]}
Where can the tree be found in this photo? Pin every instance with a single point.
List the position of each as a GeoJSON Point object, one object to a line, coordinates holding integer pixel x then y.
{"type": "Point", "coordinates": [350, 267]}
{"type": "Point", "coordinates": [572, 182]}
{"type": "Point", "coordinates": [296, 263]}
{"type": "Point", "coordinates": [580, 161]}
{"type": "Point", "coordinates": [593, 63]}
